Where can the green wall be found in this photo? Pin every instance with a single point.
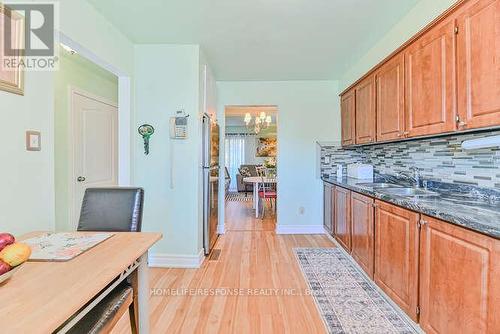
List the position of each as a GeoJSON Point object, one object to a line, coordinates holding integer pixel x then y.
{"type": "Point", "coordinates": [79, 73]}
{"type": "Point", "coordinates": [308, 111]}
{"type": "Point", "coordinates": [171, 173]}
{"type": "Point", "coordinates": [422, 14]}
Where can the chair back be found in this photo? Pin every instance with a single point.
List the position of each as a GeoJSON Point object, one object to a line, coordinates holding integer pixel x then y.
{"type": "Point", "coordinates": [261, 170]}
{"type": "Point", "coordinates": [112, 209]}
{"type": "Point", "coordinates": [266, 186]}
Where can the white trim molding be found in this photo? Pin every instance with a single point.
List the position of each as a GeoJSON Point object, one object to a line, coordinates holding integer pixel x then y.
{"type": "Point", "coordinates": [221, 229]}
{"type": "Point", "coordinates": [300, 229]}
{"type": "Point", "coordinates": [160, 260]}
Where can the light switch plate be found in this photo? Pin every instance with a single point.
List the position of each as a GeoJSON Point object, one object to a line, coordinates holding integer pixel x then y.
{"type": "Point", "coordinates": [33, 141]}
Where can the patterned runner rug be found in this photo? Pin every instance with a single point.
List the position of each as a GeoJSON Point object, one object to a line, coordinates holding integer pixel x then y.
{"type": "Point", "coordinates": [239, 197]}
{"type": "Point", "coordinates": [347, 301]}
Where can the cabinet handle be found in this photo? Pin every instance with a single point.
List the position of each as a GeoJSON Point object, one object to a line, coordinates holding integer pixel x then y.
{"type": "Point", "coordinates": [460, 123]}
{"type": "Point", "coordinates": [421, 223]}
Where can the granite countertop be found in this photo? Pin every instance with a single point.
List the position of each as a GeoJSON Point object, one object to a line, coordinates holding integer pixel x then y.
{"type": "Point", "coordinates": [474, 209]}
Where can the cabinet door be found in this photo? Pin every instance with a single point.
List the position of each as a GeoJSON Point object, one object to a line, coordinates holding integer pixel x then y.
{"type": "Point", "coordinates": [396, 255]}
{"type": "Point", "coordinates": [365, 111]}
{"type": "Point", "coordinates": [347, 110]}
{"type": "Point", "coordinates": [459, 280]}
{"type": "Point", "coordinates": [430, 82]}
{"type": "Point", "coordinates": [390, 99]}
{"type": "Point", "coordinates": [328, 209]}
{"type": "Point", "coordinates": [362, 231]}
{"type": "Point", "coordinates": [342, 214]}
{"type": "Point", "coordinates": [478, 54]}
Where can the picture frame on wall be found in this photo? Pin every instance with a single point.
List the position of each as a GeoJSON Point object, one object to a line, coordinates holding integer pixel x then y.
{"type": "Point", "coordinates": [266, 147]}
{"type": "Point", "coordinates": [11, 76]}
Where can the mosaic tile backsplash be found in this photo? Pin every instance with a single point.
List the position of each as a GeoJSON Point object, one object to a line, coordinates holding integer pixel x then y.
{"type": "Point", "coordinates": [439, 159]}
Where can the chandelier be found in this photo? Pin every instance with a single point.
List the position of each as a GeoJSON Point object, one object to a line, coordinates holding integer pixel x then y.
{"type": "Point", "coordinates": [262, 121]}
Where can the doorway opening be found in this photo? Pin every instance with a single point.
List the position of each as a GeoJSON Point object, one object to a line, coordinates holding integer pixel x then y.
{"type": "Point", "coordinates": [250, 155]}
{"type": "Point", "coordinates": [86, 132]}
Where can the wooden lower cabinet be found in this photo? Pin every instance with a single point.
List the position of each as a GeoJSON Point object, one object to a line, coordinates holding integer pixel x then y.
{"type": "Point", "coordinates": [362, 234]}
{"type": "Point", "coordinates": [443, 276]}
{"type": "Point", "coordinates": [396, 255]}
{"type": "Point", "coordinates": [342, 214]}
{"type": "Point", "coordinates": [459, 280]}
{"type": "Point", "coordinates": [328, 207]}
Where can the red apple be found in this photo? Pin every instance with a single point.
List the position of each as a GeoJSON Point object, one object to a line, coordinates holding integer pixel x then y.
{"type": "Point", "coordinates": [4, 267]}
{"type": "Point", "coordinates": [6, 239]}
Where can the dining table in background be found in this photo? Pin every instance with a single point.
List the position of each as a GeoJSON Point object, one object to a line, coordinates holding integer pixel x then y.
{"type": "Point", "coordinates": [256, 180]}
{"type": "Point", "coordinates": [46, 297]}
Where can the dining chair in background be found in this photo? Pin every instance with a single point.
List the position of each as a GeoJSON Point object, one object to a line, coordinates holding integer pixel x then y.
{"type": "Point", "coordinates": [111, 210]}
{"type": "Point", "coordinates": [267, 191]}
{"type": "Point", "coordinates": [261, 170]}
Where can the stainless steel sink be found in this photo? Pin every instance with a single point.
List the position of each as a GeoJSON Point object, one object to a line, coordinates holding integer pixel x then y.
{"type": "Point", "coordinates": [379, 185]}
{"type": "Point", "coordinates": [408, 192]}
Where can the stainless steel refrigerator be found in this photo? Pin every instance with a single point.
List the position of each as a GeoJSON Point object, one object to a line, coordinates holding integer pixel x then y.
{"type": "Point", "coordinates": [210, 182]}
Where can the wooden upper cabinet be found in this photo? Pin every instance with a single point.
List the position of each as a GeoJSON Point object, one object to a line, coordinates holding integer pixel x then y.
{"type": "Point", "coordinates": [478, 59]}
{"type": "Point", "coordinates": [365, 111]}
{"type": "Point", "coordinates": [390, 92]}
{"type": "Point", "coordinates": [347, 111]}
{"type": "Point", "coordinates": [396, 255]}
{"type": "Point", "coordinates": [362, 234]}
{"type": "Point", "coordinates": [459, 280]}
{"type": "Point", "coordinates": [342, 214]}
{"type": "Point", "coordinates": [430, 81]}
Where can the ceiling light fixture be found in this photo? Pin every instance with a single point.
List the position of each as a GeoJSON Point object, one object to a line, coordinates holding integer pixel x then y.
{"type": "Point", "coordinates": [262, 121]}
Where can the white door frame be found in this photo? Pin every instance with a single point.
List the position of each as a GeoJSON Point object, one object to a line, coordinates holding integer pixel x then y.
{"type": "Point", "coordinates": [72, 90]}
{"type": "Point", "coordinates": [124, 108]}
{"type": "Point", "coordinates": [124, 114]}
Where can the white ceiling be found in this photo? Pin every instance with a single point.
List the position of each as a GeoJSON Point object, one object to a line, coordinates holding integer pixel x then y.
{"type": "Point", "coordinates": [262, 39]}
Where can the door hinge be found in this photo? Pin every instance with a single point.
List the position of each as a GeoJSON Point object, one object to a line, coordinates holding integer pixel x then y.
{"type": "Point", "coordinates": [417, 310]}
{"type": "Point", "coordinates": [456, 30]}
{"type": "Point", "coordinates": [421, 223]}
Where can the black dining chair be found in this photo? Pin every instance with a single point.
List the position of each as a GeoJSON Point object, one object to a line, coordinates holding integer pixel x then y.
{"type": "Point", "coordinates": [112, 210]}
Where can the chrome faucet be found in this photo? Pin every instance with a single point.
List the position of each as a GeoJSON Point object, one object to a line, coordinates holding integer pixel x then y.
{"type": "Point", "coordinates": [416, 176]}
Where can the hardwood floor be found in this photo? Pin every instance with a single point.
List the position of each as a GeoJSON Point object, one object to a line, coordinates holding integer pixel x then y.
{"type": "Point", "coordinates": [255, 286]}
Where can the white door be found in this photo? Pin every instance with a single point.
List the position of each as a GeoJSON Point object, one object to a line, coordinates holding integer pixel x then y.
{"type": "Point", "coordinates": [95, 147]}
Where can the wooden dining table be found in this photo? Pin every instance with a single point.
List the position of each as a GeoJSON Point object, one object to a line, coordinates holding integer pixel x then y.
{"type": "Point", "coordinates": [256, 180]}
{"type": "Point", "coordinates": [47, 297]}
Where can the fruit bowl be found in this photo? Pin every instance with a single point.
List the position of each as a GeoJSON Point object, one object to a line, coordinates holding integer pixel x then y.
{"type": "Point", "coordinates": [6, 276]}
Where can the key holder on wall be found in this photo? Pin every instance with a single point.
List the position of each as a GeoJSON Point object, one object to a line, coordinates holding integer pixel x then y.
{"type": "Point", "coordinates": [146, 131]}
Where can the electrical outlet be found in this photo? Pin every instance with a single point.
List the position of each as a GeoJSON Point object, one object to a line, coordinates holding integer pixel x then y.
{"type": "Point", "coordinates": [301, 210]}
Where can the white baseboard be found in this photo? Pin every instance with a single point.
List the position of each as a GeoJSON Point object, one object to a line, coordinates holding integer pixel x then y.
{"type": "Point", "coordinates": [176, 261]}
{"type": "Point", "coordinates": [221, 229]}
{"type": "Point", "coordinates": [300, 229]}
